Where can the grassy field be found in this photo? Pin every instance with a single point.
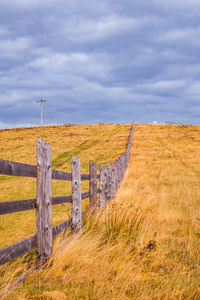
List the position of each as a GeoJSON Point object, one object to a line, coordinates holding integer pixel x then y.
{"type": "Point", "coordinates": [146, 244]}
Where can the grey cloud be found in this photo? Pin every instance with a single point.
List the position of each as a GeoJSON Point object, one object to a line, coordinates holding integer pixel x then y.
{"type": "Point", "coordinates": [99, 29]}
{"type": "Point", "coordinates": [14, 48]}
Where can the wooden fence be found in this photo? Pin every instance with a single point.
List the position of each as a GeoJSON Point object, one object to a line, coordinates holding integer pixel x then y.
{"type": "Point", "coordinates": [45, 232]}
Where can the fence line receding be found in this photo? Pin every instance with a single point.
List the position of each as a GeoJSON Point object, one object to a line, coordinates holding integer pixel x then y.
{"type": "Point", "coordinates": [109, 181]}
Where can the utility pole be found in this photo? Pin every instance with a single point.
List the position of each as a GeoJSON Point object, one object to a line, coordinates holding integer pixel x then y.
{"type": "Point", "coordinates": [41, 101]}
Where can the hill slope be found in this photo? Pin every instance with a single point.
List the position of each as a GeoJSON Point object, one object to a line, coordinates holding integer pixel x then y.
{"type": "Point", "coordinates": [146, 244]}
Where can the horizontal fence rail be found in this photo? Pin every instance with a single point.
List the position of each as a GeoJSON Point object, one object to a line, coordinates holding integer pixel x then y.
{"type": "Point", "coordinates": [17, 169]}
{"type": "Point", "coordinates": [13, 168]}
{"type": "Point", "coordinates": [9, 207]}
{"type": "Point", "coordinates": [110, 179]}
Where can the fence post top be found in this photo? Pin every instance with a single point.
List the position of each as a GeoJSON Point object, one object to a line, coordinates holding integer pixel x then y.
{"type": "Point", "coordinates": [39, 141]}
{"type": "Point", "coordinates": [74, 158]}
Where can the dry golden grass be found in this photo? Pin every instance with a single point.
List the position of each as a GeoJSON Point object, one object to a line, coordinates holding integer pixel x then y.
{"type": "Point", "coordinates": [146, 244]}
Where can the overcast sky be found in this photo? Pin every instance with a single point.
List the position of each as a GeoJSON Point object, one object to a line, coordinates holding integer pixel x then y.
{"type": "Point", "coordinates": [99, 61]}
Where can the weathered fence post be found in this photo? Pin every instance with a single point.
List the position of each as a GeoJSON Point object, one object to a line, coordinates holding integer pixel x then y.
{"type": "Point", "coordinates": [113, 180]}
{"type": "Point", "coordinates": [121, 169]}
{"type": "Point", "coordinates": [116, 174]}
{"type": "Point", "coordinates": [102, 186]}
{"type": "Point", "coordinates": [93, 185]}
{"type": "Point", "coordinates": [76, 195]}
{"type": "Point", "coordinates": [108, 183]}
{"type": "Point", "coordinates": [122, 166]}
{"type": "Point", "coordinates": [126, 159]}
{"type": "Point", "coordinates": [44, 236]}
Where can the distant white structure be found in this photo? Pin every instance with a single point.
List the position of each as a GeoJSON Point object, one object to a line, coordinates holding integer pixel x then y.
{"type": "Point", "coordinates": [155, 122]}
